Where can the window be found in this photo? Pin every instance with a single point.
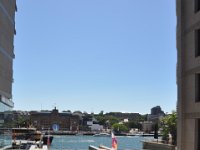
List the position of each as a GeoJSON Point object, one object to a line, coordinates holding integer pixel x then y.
{"type": "Point", "coordinates": [197, 134]}
{"type": "Point", "coordinates": [196, 6]}
{"type": "Point", "coordinates": [197, 87]}
{"type": "Point", "coordinates": [197, 42]}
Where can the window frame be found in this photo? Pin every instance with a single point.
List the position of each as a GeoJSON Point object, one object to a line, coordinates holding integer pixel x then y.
{"type": "Point", "coordinates": [197, 42]}
{"type": "Point", "coordinates": [197, 87]}
{"type": "Point", "coordinates": [196, 6]}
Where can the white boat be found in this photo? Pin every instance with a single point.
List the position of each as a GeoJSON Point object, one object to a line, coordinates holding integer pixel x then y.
{"type": "Point", "coordinates": [28, 139]}
{"type": "Point", "coordinates": [102, 135]}
{"type": "Point", "coordinates": [36, 147]}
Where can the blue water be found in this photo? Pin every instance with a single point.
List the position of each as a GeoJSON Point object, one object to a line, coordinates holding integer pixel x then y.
{"type": "Point", "coordinates": [83, 142]}
{"type": "Point", "coordinates": [5, 140]}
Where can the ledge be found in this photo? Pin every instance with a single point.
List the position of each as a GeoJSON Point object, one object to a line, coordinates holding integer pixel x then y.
{"type": "Point", "coordinates": [157, 146]}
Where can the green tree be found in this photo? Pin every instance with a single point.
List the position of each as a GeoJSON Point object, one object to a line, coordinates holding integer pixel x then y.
{"type": "Point", "coordinates": [101, 119]}
{"type": "Point", "coordinates": [169, 125]}
{"type": "Point", "coordinates": [106, 120]}
{"type": "Point", "coordinates": [20, 121]}
{"type": "Point", "coordinates": [143, 117]}
{"type": "Point", "coordinates": [113, 120]}
{"type": "Point", "coordinates": [119, 128]}
{"type": "Point", "coordinates": [101, 113]}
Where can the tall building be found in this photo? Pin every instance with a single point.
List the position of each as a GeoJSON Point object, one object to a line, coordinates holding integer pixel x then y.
{"type": "Point", "coordinates": [156, 115]}
{"type": "Point", "coordinates": [188, 74]}
{"type": "Point", "coordinates": [7, 32]}
{"type": "Point", "coordinates": [156, 110]}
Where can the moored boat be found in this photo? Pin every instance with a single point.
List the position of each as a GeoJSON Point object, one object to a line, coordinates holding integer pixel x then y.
{"type": "Point", "coordinates": [102, 134]}
{"type": "Point", "coordinates": [30, 134]}
{"type": "Point", "coordinates": [47, 139]}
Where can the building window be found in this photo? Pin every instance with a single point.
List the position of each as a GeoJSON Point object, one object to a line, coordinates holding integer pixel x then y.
{"type": "Point", "coordinates": [197, 42]}
{"type": "Point", "coordinates": [197, 87]}
{"type": "Point", "coordinates": [196, 6]}
{"type": "Point", "coordinates": [197, 137]}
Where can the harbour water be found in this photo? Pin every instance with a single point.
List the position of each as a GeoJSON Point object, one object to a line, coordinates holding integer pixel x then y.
{"type": "Point", "coordinates": [82, 142]}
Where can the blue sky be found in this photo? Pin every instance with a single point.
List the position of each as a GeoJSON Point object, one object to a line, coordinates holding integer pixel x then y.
{"type": "Point", "coordinates": [93, 55]}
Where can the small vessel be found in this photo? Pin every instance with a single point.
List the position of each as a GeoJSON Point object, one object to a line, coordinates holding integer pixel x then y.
{"type": "Point", "coordinates": [102, 135]}
{"type": "Point", "coordinates": [36, 147]}
{"type": "Point", "coordinates": [30, 134]}
{"type": "Point", "coordinates": [26, 145]}
{"type": "Point", "coordinates": [30, 139]}
{"type": "Point", "coordinates": [47, 139]}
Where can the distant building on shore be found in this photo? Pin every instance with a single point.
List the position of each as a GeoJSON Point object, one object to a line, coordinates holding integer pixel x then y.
{"type": "Point", "coordinates": [147, 126]}
{"type": "Point", "coordinates": [94, 125]}
{"type": "Point", "coordinates": [55, 120]}
{"type": "Point", "coordinates": [157, 111]}
{"type": "Point", "coordinates": [156, 114]}
{"type": "Point", "coordinates": [188, 74]}
{"type": "Point", "coordinates": [154, 118]}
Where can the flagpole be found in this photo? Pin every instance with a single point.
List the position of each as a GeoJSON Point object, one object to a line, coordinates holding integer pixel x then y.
{"type": "Point", "coordinates": [114, 141]}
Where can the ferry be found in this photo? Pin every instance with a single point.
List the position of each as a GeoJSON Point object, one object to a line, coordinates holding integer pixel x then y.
{"type": "Point", "coordinates": [30, 134]}
{"type": "Point", "coordinates": [29, 139]}
{"type": "Point", "coordinates": [47, 139]}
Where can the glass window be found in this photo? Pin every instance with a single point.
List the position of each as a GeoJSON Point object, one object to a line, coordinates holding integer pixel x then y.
{"type": "Point", "coordinates": [196, 6]}
{"type": "Point", "coordinates": [198, 134]}
{"type": "Point", "coordinates": [5, 125]}
{"type": "Point", "coordinates": [197, 87]}
{"type": "Point", "coordinates": [197, 42]}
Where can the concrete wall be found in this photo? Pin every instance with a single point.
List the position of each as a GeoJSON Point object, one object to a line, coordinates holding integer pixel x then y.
{"type": "Point", "coordinates": [157, 146]}
{"type": "Point", "coordinates": [188, 65]}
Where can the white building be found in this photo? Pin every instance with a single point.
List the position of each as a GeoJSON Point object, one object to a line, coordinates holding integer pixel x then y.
{"type": "Point", "coordinates": [94, 126]}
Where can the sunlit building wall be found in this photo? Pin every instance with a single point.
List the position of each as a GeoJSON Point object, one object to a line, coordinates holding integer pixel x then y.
{"type": "Point", "coordinates": [188, 74]}
{"type": "Point", "coordinates": [7, 32]}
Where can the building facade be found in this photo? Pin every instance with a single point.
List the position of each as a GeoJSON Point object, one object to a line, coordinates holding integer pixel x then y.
{"type": "Point", "coordinates": [147, 126]}
{"type": "Point", "coordinates": [157, 110]}
{"type": "Point", "coordinates": [54, 120]}
{"type": "Point", "coordinates": [188, 74]}
{"type": "Point", "coordinates": [156, 115]}
{"type": "Point", "coordinates": [7, 32]}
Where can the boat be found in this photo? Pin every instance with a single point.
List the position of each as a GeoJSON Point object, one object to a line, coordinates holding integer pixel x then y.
{"type": "Point", "coordinates": [47, 139]}
{"type": "Point", "coordinates": [36, 147]}
{"type": "Point", "coordinates": [30, 139]}
{"type": "Point", "coordinates": [27, 145]}
{"type": "Point", "coordinates": [102, 135]}
{"type": "Point", "coordinates": [30, 134]}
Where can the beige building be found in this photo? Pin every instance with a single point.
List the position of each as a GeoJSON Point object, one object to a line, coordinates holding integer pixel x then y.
{"type": "Point", "coordinates": [7, 31]}
{"type": "Point", "coordinates": [188, 74]}
{"type": "Point", "coordinates": [147, 126]}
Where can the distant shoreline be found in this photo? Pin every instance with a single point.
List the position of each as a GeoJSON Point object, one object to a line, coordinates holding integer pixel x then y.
{"type": "Point", "coordinates": [93, 133]}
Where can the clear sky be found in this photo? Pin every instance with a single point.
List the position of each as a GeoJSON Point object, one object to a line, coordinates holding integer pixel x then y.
{"type": "Point", "coordinates": [93, 55]}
